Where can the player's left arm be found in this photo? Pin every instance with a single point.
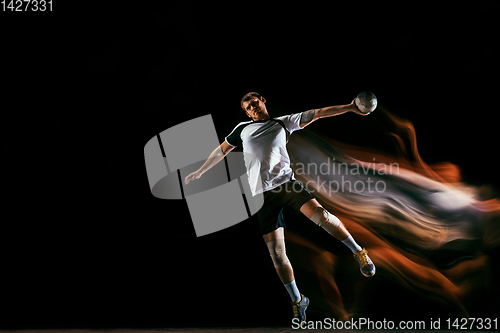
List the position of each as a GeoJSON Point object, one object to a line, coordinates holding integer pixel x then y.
{"type": "Point", "coordinates": [310, 116]}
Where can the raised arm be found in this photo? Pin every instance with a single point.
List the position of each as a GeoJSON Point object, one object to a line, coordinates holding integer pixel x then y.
{"type": "Point", "coordinates": [215, 157]}
{"type": "Point", "coordinates": [312, 115]}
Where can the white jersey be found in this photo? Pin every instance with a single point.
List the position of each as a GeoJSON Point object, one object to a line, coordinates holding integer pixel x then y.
{"type": "Point", "coordinates": [264, 148]}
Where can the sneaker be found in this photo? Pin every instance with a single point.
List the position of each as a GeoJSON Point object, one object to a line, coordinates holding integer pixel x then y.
{"type": "Point", "coordinates": [366, 266]}
{"type": "Point", "coordinates": [299, 308]}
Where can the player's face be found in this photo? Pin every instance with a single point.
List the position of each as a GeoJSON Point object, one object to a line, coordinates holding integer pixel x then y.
{"type": "Point", "coordinates": [255, 108]}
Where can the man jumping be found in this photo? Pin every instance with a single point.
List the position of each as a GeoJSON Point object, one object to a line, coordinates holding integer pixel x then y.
{"type": "Point", "coordinates": [269, 172]}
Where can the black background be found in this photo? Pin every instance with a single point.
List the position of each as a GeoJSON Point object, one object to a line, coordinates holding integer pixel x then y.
{"type": "Point", "coordinates": [83, 241]}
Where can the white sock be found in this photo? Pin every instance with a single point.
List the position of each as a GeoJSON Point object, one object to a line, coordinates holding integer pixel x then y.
{"type": "Point", "coordinates": [351, 244]}
{"type": "Point", "coordinates": [293, 291]}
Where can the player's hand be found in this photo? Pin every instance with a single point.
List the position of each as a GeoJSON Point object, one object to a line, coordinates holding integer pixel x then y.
{"type": "Point", "coordinates": [355, 109]}
{"type": "Point", "coordinates": [192, 176]}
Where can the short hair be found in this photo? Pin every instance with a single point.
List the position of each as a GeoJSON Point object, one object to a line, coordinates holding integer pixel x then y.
{"type": "Point", "coordinates": [248, 97]}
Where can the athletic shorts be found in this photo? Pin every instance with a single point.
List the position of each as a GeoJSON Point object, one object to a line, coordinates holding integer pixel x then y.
{"type": "Point", "coordinates": [290, 194]}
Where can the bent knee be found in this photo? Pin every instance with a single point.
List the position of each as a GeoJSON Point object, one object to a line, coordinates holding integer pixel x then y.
{"type": "Point", "coordinates": [325, 219]}
{"type": "Point", "coordinates": [277, 250]}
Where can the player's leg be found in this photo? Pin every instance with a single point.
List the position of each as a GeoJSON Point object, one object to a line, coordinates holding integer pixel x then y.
{"type": "Point", "coordinates": [275, 241]}
{"type": "Point", "coordinates": [322, 217]}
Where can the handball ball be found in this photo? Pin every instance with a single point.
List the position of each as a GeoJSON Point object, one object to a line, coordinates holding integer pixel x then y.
{"type": "Point", "coordinates": [366, 102]}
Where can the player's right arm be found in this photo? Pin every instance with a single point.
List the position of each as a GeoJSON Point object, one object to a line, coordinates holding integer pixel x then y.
{"type": "Point", "coordinates": [215, 157]}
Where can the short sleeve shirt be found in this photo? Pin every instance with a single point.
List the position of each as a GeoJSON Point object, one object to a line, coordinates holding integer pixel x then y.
{"type": "Point", "coordinates": [264, 148]}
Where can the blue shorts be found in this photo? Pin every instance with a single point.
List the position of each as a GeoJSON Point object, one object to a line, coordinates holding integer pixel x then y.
{"type": "Point", "coordinates": [290, 194]}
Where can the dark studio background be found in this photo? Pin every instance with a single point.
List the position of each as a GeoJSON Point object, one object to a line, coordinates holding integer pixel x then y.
{"type": "Point", "coordinates": [85, 244]}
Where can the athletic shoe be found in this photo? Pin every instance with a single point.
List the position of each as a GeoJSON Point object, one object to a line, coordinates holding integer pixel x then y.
{"type": "Point", "coordinates": [366, 266]}
{"type": "Point", "coordinates": [299, 308]}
